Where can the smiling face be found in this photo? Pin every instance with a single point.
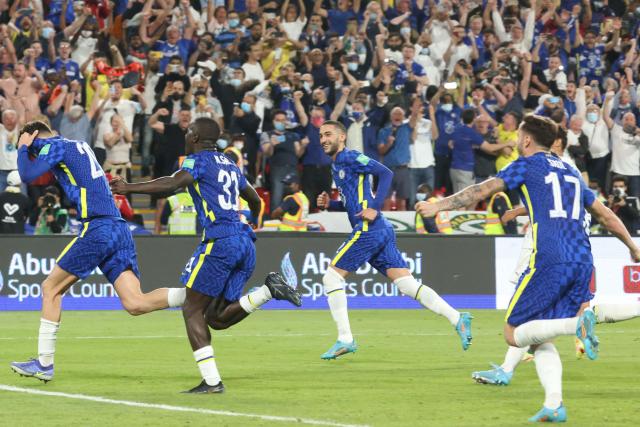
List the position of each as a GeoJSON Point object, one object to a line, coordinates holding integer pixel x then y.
{"type": "Point", "coordinates": [332, 139]}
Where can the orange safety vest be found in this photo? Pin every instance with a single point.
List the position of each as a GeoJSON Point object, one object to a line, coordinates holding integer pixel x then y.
{"type": "Point", "coordinates": [420, 221]}
{"type": "Point", "coordinates": [443, 223]}
{"type": "Point", "coordinates": [298, 221]}
{"type": "Point", "coordinates": [492, 223]}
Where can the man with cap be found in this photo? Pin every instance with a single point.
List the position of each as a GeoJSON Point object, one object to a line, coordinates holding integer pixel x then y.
{"type": "Point", "coordinates": [294, 209]}
{"type": "Point", "coordinates": [14, 206]}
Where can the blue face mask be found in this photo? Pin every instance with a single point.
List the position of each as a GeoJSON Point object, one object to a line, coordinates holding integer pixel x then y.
{"type": "Point", "coordinates": [447, 107]}
{"type": "Point", "coordinates": [421, 197]}
{"type": "Point", "coordinates": [405, 31]}
{"type": "Point", "coordinates": [424, 51]}
{"type": "Point", "coordinates": [306, 86]}
{"type": "Point", "coordinates": [373, 16]}
{"type": "Point", "coordinates": [233, 23]}
{"type": "Point", "coordinates": [592, 117]}
{"type": "Point", "coordinates": [279, 126]}
{"type": "Point", "coordinates": [47, 31]}
{"type": "Point", "coordinates": [353, 66]}
{"type": "Point", "coordinates": [356, 115]}
{"type": "Point", "coordinates": [285, 90]}
{"type": "Point", "coordinates": [222, 144]}
{"type": "Point", "coordinates": [235, 82]}
{"type": "Point", "coordinates": [246, 107]}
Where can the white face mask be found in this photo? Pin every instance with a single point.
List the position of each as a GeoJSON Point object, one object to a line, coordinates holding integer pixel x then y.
{"type": "Point", "coordinates": [238, 145]}
{"type": "Point", "coordinates": [86, 33]}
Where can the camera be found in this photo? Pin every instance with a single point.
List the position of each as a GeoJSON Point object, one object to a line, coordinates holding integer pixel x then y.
{"type": "Point", "coordinates": [48, 201]}
{"type": "Point", "coordinates": [618, 194]}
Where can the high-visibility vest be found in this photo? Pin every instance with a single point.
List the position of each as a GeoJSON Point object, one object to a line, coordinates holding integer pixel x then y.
{"type": "Point", "coordinates": [183, 214]}
{"type": "Point", "coordinates": [420, 229]}
{"type": "Point", "coordinates": [298, 221]}
{"type": "Point", "coordinates": [492, 224]}
{"type": "Point", "coordinates": [443, 223]}
{"type": "Point", "coordinates": [238, 154]}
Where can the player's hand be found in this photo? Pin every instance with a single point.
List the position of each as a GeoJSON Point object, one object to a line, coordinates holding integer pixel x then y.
{"type": "Point", "coordinates": [368, 214]}
{"type": "Point", "coordinates": [163, 112]}
{"type": "Point", "coordinates": [426, 209]}
{"type": "Point", "coordinates": [508, 216]}
{"type": "Point", "coordinates": [26, 139]}
{"type": "Point", "coordinates": [323, 200]}
{"type": "Point", "coordinates": [118, 185]}
{"type": "Point", "coordinates": [635, 254]}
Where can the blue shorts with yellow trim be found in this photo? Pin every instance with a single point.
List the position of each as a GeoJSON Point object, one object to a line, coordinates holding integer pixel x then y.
{"type": "Point", "coordinates": [377, 247]}
{"type": "Point", "coordinates": [221, 266]}
{"type": "Point", "coordinates": [104, 242]}
{"type": "Point", "coordinates": [554, 291]}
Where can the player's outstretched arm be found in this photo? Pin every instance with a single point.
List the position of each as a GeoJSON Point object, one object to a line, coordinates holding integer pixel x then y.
{"type": "Point", "coordinates": [249, 194]}
{"type": "Point", "coordinates": [611, 222]}
{"type": "Point", "coordinates": [469, 196]}
{"type": "Point", "coordinates": [163, 185]}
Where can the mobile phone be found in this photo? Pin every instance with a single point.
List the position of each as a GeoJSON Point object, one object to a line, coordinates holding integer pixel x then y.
{"type": "Point", "coordinates": [365, 83]}
{"type": "Point", "coordinates": [451, 85]}
{"type": "Point", "coordinates": [554, 99]}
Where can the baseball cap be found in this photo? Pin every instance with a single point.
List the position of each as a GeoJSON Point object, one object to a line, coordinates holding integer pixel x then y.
{"type": "Point", "coordinates": [290, 179]}
{"type": "Point", "coordinates": [13, 179]}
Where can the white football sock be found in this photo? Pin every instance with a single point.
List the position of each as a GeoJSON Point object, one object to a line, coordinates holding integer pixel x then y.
{"type": "Point", "coordinates": [255, 299]}
{"type": "Point", "coordinates": [176, 296]}
{"type": "Point", "coordinates": [512, 358]}
{"type": "Point", "coordinates": [337, 299]}
{"type": "Point", "coordinates": [207, 365]}
{"type": "Point", "coordinates": [47, 341]}
{"type": "Point", "coordinates": [611, 313]}
{"type": "Point", "coordinates": [539, 331]}
{"type": "Point", "coordinates": [426, 296]}
{"type": "Point", "coordinates": [549, 369]}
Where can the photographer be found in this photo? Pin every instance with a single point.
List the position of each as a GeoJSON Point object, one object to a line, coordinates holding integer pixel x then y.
{"type": "Point", "coordinates": [51, 217]}
{"type": "Point", "coordinates": [625, 207]}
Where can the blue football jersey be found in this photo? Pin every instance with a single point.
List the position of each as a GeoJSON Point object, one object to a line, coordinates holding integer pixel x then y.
{"type": "Point", "coordinates": [215, 193]}
{"type": "Point", "coordinates": [556, 197]}
{"type": "Point", "coordinates": [352, 174]}
{"type": "Point", "coordinates": [80, 175]}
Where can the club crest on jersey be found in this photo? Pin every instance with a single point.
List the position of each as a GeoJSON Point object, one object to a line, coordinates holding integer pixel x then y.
{"type": "Point", "coordinates": [341, 173]}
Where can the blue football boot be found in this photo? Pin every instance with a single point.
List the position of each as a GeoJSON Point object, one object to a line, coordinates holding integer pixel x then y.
{"type": "Point", "coordinates": [339, 349]}
{"type": "Point", "coordinates": [463, 328]}
{"type": "Point", "coordinates": [546, 415]}
{"type": "Point", "coordinates": [495, 376]}
{"type": "Point", "coordinates": [585, 333]}
{"type": "Point", "coordinates": [33, 368]}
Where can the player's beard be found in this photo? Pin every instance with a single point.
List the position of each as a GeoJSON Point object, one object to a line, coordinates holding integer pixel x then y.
{"type": "Point", "coordinates": [520, 148]}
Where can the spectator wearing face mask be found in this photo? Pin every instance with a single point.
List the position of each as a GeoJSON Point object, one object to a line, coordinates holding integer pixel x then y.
{"type": "Point", "coordinates": [596, 130]}
{"type": "Point", "coordinates": [447, 119]}
{"type": "Point", "coordinates": [425, 225]}
{"type": "Point", "coordinates": [362, 129]}
{"type": "Point", "coordinates": [625, 148]}
{"type": "Point", "coordinates": [245, 121]}
{"type": "Point", "coordinates": [75, 123]}
{"type": "Point", "coordinates": [282, 149]}
{"type": "Point", "coordinates": [230, 93]}
{"type": "Point", "coordinates": [624, 206]}
{"type": "Point", "coordinates": [316, 165]}
{"type": "Point", "coordinates": [14, 206]}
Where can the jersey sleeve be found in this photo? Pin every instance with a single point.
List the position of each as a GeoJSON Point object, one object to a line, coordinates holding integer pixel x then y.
{"type": "Point", "coordinates": [514, 174]}
{"type": "Point", "coordinates": [52, 153]}
{"type": "Point", "coordinates": [190, 165]}
{"type": "Point", "coordinates": [362, 164]}
{"type": "Point", "coordinates": [588, 198]}
{"type": "Point", "coordinates": [242, 180]}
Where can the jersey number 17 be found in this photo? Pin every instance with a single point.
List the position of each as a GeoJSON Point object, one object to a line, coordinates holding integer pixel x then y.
{"type": "Point", "coordinates": [558, 211]}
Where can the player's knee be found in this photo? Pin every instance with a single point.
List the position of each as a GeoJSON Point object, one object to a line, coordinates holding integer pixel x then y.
{"type": "Point", "coordinates": [217, 325]}
{"type": "Point", "coordinates": [509, 335]}
{"type": "Point", "coordinates": [332, 281]}
{"type": "Point", "coordinates": [48, 289]}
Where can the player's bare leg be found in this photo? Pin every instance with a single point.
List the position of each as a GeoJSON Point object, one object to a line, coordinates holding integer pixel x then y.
{"type": "Point", "coordinates": [428, 298]}
{"type": "Point", "coordinates": [193, 311]}
{"type": "Point", "coordinates": [127, 285]}
{"type": "Point", "coordinates": [334, 284]}
{"type": "Point", "coordinates": [53, 288]}
{"type": "Point", "coordinates": [222, 313]}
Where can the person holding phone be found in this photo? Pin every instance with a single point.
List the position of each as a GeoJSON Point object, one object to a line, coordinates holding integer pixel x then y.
{"type": "Point", "coordinates": [282, 149]}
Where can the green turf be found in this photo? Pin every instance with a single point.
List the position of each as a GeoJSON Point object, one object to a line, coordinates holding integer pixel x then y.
{"type": "Point", "coordinates": [409, 370]}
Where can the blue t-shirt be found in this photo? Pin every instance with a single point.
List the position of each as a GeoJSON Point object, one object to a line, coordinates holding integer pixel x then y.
{"type": "Point", "coordinates": [71, 67]}
{"type": "Point", "coordinates": [215, 193]}
{"type": "Point", "coordinates": [183, 49]}
{"type": "Point", "coordinates": [399, 153]}
{"type": "Point", "coordinates": [80, 175]}
{"type": "Point", "coordinates": [556, 197]}
{"type": "Point", "coordinates": [314, 154]}
{"type": "Point", "coordinates": [338, 20]}
{"type": "Point", "coordinates": [447, 122]}
{"type": "Point", "coordinates": [590, 61]}
{"type": "Point", "coordinates": [403, 74]}
{"type": "Point", "coordinates": [352, 174]}
{"type": "Point", "coordinates": [465, 139]}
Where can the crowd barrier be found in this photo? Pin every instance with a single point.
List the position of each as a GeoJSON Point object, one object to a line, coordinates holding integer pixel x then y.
{"type": "Point", "coordinates": [468, 271]}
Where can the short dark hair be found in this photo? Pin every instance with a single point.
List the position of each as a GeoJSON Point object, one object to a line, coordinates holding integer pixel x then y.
{"type": "Point", "coordinates": [468, 114]}
{"type": "Point", "coordinates": [35, 125]}
{"type": "Point", "coordinates": [277, 112]}
{"type": "Point", "coordinates": [208, 129]}
{"type": "Point", "coordinates": [337, 125]}
{"type": "Point", "coordinates": [620, 178]}
{"type": "Point", "coordinates": [542, 129]}
{"type": "Point", "coordinates": [562, 136]}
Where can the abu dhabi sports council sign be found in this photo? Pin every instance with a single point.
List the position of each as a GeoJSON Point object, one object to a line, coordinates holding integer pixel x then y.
{"type": "Point", "coordinates": [459, 267]}
{"type": "Point", "coordinates": [616, 279]}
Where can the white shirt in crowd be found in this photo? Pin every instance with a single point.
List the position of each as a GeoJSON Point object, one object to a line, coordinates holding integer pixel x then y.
{"type": "Point", "coordinates": [422, 150]}
{"type": "Point", "coordinates": [561, 79]}
{"type": "Point", "coordinates": [85, 46]}
{"type": "Point", "coordinates": [625, 152]}
{"type": "Point", "coordinates": [126, 109]}
{"type": "Point", "coordinates": [119, 152]}
{"type": "Point", "coordinates": [354, 136]}
{"type": "Point", "coordinates": [294, 29]}
{"type": "Point", "coordinates": [253, 71]}
{"type": "Point", "coordinates": [429, 66]}
{"type": "Point", "coordinates": [461, 51]}
{"type": "Point", "coordinates": [598, 135]}
{"type": "Point", "coordinates": [8, 149]}
{"type": "Point", "coordinates": [149, 93]}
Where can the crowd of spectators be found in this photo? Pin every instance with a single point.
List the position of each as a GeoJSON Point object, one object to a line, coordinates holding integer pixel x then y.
{"type": "Point", "coordinates": [435, 90]}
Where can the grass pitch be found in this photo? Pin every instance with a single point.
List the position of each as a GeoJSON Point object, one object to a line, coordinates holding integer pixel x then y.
{"type": "Point", "coordinates": [408, 371]}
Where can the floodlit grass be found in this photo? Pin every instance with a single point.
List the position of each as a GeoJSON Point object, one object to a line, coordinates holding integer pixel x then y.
{"type": "Point", "coordinates": [409, 370]}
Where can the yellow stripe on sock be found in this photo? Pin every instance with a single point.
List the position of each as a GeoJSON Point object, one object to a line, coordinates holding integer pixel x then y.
{"type": "Point", "coordinates": [196, 270]}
